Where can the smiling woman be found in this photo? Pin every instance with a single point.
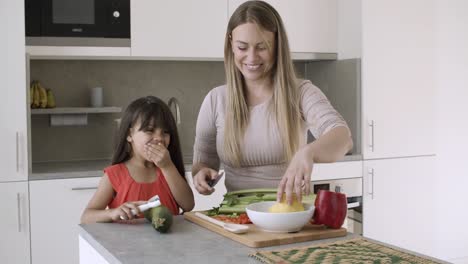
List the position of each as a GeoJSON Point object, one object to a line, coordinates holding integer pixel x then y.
{"type": "Point", "coordinates": [253, 53]}
{"type": "Point", "coordinates": [256, 125]}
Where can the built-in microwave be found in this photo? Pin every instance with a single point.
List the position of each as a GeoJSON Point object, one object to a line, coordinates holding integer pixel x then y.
{"type": "Point", "coordinates": [78, 18]}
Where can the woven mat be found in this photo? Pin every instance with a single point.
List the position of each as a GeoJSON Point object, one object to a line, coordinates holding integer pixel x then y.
{"type": "Point", "coordinates": [358, 250]}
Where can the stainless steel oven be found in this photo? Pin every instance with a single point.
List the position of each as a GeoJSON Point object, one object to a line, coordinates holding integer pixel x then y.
{"type": "Point", "coordinates": [78, 18]}
{"type": "Point", "coordinates": [352, 187]}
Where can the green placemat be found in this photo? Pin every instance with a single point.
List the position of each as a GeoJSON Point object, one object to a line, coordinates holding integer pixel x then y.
{"type": "Point", "coordinates": [358, 250]}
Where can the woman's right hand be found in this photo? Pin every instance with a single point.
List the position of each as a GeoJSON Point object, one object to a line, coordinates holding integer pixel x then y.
{"type": "Point", "coordinates": [124, 212]}
{"type": "Point", "coordinates": [200, 180]}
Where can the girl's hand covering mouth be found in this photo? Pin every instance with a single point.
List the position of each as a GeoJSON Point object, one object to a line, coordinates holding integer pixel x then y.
{"type": "Point", "coordinates": [158, 154]}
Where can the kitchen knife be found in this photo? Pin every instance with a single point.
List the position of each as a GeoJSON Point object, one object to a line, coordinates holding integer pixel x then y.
{"type": "Point", "coordinates": [213, 182]}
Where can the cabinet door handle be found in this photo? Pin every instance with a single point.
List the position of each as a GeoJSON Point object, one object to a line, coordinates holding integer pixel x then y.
{"type": "Point", "coordinates": [18, 205]}
{"type": "Point", "coordinates": [371, 140]}
{"type": "Point", "coordinates": [83, 188]}
{"type": "Point", "coordinates": [17, 152]}
{"type": "Point", "coordinates": [370, 182]}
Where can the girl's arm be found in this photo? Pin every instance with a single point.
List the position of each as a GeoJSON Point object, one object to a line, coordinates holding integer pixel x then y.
{"type": "Point", "coordinates": [180, 188]}
{"type": "Point", "coordinates": [96, 209]}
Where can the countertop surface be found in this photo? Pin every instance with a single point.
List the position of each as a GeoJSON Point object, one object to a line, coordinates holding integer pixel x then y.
{"type": "Point", "coordinates": [185, 243]}
{"type": "Point", "coordinates": [94, 168]}
{"type": "Point", "coordinates": [72, 169]}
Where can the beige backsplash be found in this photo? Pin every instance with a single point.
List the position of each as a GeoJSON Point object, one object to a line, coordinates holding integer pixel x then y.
{"type": "Point", "coordinates": [122, 82]}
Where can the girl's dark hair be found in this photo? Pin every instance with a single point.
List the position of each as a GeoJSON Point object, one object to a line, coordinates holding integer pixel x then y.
{"type": "Point", "coordinates": [154, 112]}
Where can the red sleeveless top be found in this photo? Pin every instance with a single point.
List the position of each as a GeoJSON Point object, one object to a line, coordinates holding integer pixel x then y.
{"type": "Point", "coordinates": [127, 190]}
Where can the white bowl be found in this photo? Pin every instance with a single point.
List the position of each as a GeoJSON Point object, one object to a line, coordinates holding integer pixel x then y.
{"type": "Point", "coordinates": [278, 222]}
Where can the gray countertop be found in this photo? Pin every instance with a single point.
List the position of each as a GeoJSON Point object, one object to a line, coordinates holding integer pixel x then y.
{"type": "Point", "coordinates": [186, 243]}
{"type": "Point", "coordinates": [94, 168]}
{"type": "Point", "coordinates": [72, 169]}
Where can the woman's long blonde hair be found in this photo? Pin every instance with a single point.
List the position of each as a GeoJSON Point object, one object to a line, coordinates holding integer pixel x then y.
{"type": "Point", "coordinates": [286, 106]}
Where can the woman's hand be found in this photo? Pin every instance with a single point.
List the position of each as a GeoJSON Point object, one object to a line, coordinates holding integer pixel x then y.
{"type": "Point", "coordinates": [200, 180]}
{"type": "Point", "coordinates": [297, 176]}
{"type": "Point", "coordinates": [124, 212]}
{"type": "Point", "coordinates": [158, 154]}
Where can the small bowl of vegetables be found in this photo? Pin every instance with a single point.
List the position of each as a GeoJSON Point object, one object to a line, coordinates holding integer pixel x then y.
{"type": "Point", "coordinates": [262, 216]}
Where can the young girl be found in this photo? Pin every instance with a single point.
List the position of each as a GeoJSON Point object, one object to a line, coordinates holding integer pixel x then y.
{"type": "Point", "coordinates": [147, 162]}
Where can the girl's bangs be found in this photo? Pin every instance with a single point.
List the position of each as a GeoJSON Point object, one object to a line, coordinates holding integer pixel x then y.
{"type": "Point", "coordinates": [153, 117]}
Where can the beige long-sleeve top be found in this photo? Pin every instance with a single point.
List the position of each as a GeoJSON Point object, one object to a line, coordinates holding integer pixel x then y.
{"type": "Point", "coordinates": [263, 160]}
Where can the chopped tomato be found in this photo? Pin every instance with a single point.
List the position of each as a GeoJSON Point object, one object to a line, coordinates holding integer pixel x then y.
{"type": "Point", "coordinates": [244, 219]}
{"type": "Point", "coordinates": [239, 219]}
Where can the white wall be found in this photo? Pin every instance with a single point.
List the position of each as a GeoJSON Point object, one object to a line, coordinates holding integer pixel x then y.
{"type": "Point", "coordinates": [452, 130]}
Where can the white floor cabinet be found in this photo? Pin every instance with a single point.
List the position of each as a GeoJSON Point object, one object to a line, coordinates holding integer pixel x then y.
{"type": "Point", "coordinates": [56, 207]}
{"type": "Point", "coordinates": [14, 228]}
{"type": "Point", "coordinates": [399, 202]}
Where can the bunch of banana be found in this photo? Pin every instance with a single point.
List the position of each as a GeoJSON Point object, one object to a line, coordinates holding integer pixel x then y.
{"type": "Point", "coordinates": [40, 97]}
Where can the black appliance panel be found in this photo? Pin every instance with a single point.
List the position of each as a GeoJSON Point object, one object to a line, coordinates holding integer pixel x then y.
{"type": "Point", "coordinates": [78, 18]}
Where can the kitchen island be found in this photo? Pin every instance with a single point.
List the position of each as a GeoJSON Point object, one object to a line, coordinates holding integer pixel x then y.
{"type": "Point", "coordinates": [185, 243]}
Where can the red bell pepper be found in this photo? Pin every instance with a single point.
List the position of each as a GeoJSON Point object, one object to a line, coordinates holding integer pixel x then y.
{"type": "Point", "coordinates": [330, 209]}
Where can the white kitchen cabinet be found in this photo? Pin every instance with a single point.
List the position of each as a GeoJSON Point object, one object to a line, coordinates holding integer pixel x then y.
{"type": "Point", "coordinates": [399, 197]}
{"type": "Point", "coordinates": [56, 207]}
{"type": "Point", "coordinates": [14, 228]}
{"type": "Point", "coordinates": [183, 29]}
{"type": "Point", "coordinates": [398, 99]}
{"type": "Point", "coordinates": [398, 85]}
{"type": "Point", "coordinates": [311, 25]}
{"type": "Point", "coordinates": [13, 109]}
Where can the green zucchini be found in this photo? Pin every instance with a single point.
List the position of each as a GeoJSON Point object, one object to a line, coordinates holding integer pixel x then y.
{"type": "Point", "coordinates": [160, 218]}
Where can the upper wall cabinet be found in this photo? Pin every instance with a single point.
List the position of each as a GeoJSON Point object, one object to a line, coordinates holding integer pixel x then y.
{"type": "Point", "coordinates": [398, 85]}
{"type": "Point", "coordinates": [178, 29]}
{"type": "Point", "coordinates": [195, 30]}
{"type": "Point", "coordinates": [311, 25]}
{"type": "Point", "coordinates": [13, 111]}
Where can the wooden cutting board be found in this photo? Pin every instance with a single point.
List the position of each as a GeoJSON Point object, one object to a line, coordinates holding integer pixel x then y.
{"type": "Point", "coordinates": [256, 238]}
